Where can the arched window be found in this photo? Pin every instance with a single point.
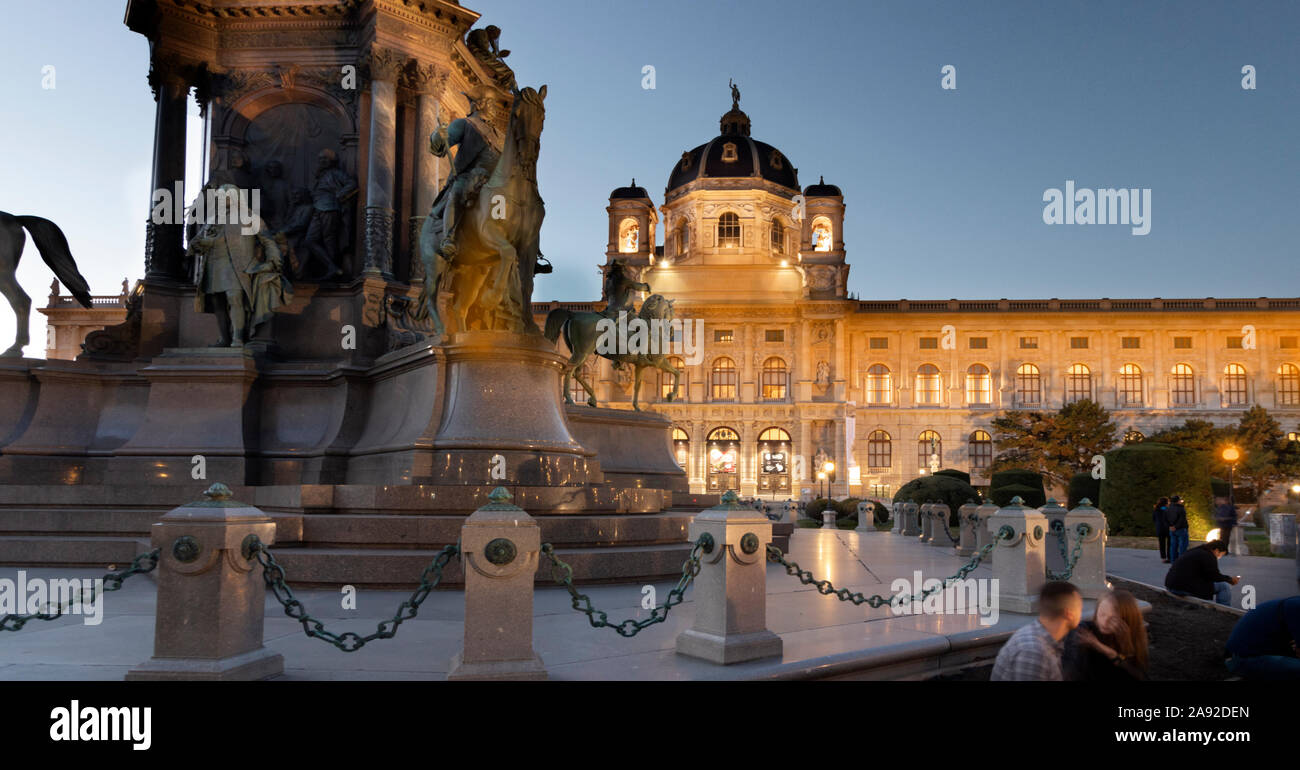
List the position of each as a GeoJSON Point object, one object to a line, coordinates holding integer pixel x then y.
{"type": "Point", "coordinates": [666, 380]}
{"type": "Point", "coordinates": [880, 450]}
{"type": "Point", "coordinates": [1078, 383]}
{"type": "Point", "coordinates": [1029, 386]}
{"type": "Point", "coordinates": [927, 384]}
{"type": "Point", "coordinates": [774, 460]}
{"type": "Point", "coordinates": [681, 446]}
{"type": "Point", "coordinates": [683, 238]}
{"type": "Point", "coordinates": [724, 454]}
{"type": "Point", "coordinates": [577, 393]}
{"type": "Point", "coordinates": [778, 237]}
{"type": "Point", "coordinates": [728, 231]}
{"type": "Point", "coordinates": [774, 379]}
{"type": "Point", "coordinates": [929, 445]}
{"type": "Point", "coordinates": [1293, 436]}
{"type": "Point", "coordinates": [1130, 385]}
{"type": "Point", "coordinates": [822, 238]}
{"type": "Point", "coordinates": [722, 380]}
{"type": "Point", "coordinates": [1288, 385]}
{"type": "Point", "coordinates": [981, 450]}
{"type": "Point", "coordinates": [1234, 384]}
{"type": "Point", "coordinates": [879, 389]}
{"type": "Point", "coordinates": [1182, 385]}
{"type": "Point", "coordinates": [979, 385]}
{"type": "Point", "coordinates": [629, 236]}
{"type": "Point", "coordinates": [1134, 437]}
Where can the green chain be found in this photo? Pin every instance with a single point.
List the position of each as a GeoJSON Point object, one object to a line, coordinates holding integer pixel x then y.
{"type": "Point", "coordinates": [1082, 530]}
{"type": "Point", "coordinates": [946, 528]}
{"type": "Point", "coordinates": [348, 641]}
{"type": "Point", "coordinates": [145, 562]}
{"type": "Point", "coordinates": [825, 587]}
{"type": "Point", "coordinates": [563, 574]}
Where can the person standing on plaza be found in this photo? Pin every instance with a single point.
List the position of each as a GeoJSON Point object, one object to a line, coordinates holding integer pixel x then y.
{"type": "Point", "coordinates": [1162, 527]}
{"type": "Point", "coordinates": [1225, 517]}
{"type": "Point", "coordinates": [1176, 518]}
{"type": "Point", "coordinates": [1033, 653]}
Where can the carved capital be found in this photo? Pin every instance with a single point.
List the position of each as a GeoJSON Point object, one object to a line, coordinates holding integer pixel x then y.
{"type": "Point", "coordinates": [386, 64]}
{"type": "Point", "coordinates": [425, 79]}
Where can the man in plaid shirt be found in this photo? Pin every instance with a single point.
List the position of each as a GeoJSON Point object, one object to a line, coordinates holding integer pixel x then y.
{"type": "Point", "coordinates": [1033, 653]}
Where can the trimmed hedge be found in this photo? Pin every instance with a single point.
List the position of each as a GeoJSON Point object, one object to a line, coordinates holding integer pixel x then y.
{"type": "Point", "coordinates": [1084, 485]}
{"type": "Point", "coordinates": [961, 476]}
{"type": "Point", "coordinates": [945, 488]}
{"type": "Point", "coordinates": [1139, 474]}
{"type": "Point", "coordinates": [1027, 484]}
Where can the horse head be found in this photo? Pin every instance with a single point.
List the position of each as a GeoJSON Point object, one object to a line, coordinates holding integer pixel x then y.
{"type": "Point", "coordinates": [657, 306]}
{"type": "Point", "coordinates": [526, 119]}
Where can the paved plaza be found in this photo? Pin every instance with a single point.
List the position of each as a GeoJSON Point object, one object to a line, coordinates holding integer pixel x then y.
{"type": "Point", "coordinates": [823, 636]}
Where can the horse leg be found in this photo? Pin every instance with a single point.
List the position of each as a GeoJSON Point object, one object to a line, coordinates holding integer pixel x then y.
{"type": "Point", "coordinates": [12, 239]}
{"type": "Point", "coordinates": [636, 386]}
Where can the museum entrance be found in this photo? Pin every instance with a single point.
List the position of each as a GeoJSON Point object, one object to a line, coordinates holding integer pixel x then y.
{"type": "Point", "coordinates": [774, 462]}
{"type": "Point", "coordinates": [724, 452]}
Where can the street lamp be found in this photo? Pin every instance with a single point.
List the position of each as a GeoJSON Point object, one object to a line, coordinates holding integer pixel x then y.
{"type": "Point", "coordinates": [828, 468]}
{"type": "Point", "coordinates": [821, 476]}
{"type": "Point", "coordinates": [1231, 456]}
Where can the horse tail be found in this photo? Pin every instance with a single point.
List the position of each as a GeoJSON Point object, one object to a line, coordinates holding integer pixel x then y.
{"type": "Point", "coordinates": [555, 321]}
{"type": "Point", "coordinates": [53, 246]}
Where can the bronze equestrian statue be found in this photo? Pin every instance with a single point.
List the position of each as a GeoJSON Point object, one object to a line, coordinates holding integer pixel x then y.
{"type": "Point", "coordinates": [53, 246]}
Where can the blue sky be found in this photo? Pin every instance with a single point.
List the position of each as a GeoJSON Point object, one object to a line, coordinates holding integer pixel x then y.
{"type": "Point", "coordinates": [944, 188]}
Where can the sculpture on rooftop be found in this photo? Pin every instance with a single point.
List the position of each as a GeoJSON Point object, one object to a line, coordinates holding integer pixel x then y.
{"type": "Point", "coordinates": [53, 247]}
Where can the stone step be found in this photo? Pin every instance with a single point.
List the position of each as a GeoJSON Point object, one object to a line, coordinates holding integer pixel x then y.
{"type": "Point", "coordinates": [69, 550]}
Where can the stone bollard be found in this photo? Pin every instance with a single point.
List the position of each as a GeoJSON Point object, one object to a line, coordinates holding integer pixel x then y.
{"type": "Point", "coordinates": [911, 526]}
{"type": "Point", "coordinates": [968, 524]}
{"type": "Point", "coordinates": [1019, 568]}
{"type": "Point", "coordinates": [1282, 533]}
{"type": "Point", "coordinates": [1089, 573]}
{"type": "Point", "coordinates": [940, 513]}
{"type": "Point", "coordinates": [789, 512]}
{"type": "Point", "coordinates": [926, 522]}
{"type": "Point", "coordinates": [731, 589]}
{"type": "Point", "coordinates": [866, 517]}
{"type": "Point", "coordinates": [896, 518]}
{"type": "Point", "coordinates": [983, 535]}
{"type": "Point", "coordinates": [1237, 542]}
{"type": "Point", "coordinates": [499, 547]}
{"type": "Point", "coordinates": [211, 594]}
{"type": "Point", "coordinates": [828, 518]}
{"type": "Point", "coordinates": [1054, 511]}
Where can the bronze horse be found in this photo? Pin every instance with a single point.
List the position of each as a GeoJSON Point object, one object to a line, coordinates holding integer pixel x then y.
{"type": "Point", "coordinates": [53, 246]}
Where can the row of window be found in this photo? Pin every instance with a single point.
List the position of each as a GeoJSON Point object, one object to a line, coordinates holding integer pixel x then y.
{"type": "Point", "coordinates": [1079, 385]}
{"type": "Point", "coordinates": [728, 231]}
{"type": "Point", "coordinates": [1076, 343]}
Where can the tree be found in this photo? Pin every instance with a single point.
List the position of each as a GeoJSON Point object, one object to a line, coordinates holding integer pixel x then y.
{"type": "Point", "coordinates": [1200, 435]}
{"type": "Point", "coordinates": [1056, 444]}
{"type": "Point", "coordinates": [1266, 456]}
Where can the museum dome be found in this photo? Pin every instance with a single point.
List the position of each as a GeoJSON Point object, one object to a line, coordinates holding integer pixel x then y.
{"type": "Point", "coordinates": [733, 153]}
{"type": "Point", "coordinates": [632, 191]}
{"type": "Point", "coordinates": [822, 190]}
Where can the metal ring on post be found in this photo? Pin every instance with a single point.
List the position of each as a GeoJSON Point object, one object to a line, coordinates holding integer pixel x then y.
{"type": "Point", "coordinates": [749, 543]}
{"type": "Point", "coordinates": [186, 549]}
{"type": "Point", "coordinates": [500, 551]}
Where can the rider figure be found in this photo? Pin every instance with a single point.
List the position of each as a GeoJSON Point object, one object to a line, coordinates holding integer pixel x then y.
{"type": "Point", "coordinates": [479, 149]}
{"type": "Point", "coordinates": [618, 289]}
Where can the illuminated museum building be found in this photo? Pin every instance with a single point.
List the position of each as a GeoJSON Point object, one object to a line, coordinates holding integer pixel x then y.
{"type": "Point", "coordinates": [796, 374]}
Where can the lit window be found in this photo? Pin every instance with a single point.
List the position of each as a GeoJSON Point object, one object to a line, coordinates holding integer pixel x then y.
{"type": "Point", "coordinates": [681, 446]}
{"type": "Point", "coordinates": [1029, 343]}
{"type": "Point", "coordinates": [723, 380]}
{"type": "Point", "coordinates": [778, 237]}
{"type": "Point", "coordinates": [729, 231]}
{"type": "Point", "coordinates": [1130, 384]}
{"type": "Point", "coordinates": [929, 445]}
{"type": "Point", "coordinates": [629, 235]}
{"type": "Point", "coordinates": [1029, 386]}
{"type": "Point", "coordinates": [1078, 383]}
{"type": "Point", "coordinates": [1234, 384]}
{"type": "Point", "coordinates": [666, 379]}
{"type": "Point", "coordinates": [724, 335]}
{"type": "Point", "coordinates": [1134, 437]}
{"type": "Point", "coordinates": [981, 450]}
{"type": "Point", "coordinates": [774, 378]}
{"type": "Point", "coordinates": [1288, 385]}
{"type": "Point", "coordinates": [577, 393]}
{"type": "Point", "coordinates": [729, 153]}
{"type": "Point", "coordinates": [879, 390]}
{"type": "Point", "coordinates": [880, 450]}
{"type": "Point", "coordinates": [683, 238]}
{"type": "Point", "coordinates": [821, 234]}
{"type": "Point", "coordinates": [927, 384]}
{"type": "Point", "coordinates": [979, 385]}
{"type": "Point", "coordinates": [1182, 384]}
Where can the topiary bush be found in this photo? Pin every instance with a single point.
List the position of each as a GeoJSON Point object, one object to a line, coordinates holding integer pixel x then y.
{"type": "Point", "coordinates": [1032, 497]}
{"type": "Point", "coordinates": [962, 476]}
{"type": "Point", "coordinates": [816, 507]}
{"type": "Point", "coordinates": [1084, 485]}
{"type": "Point", "coordinates": [882, 513]}
{"type": "Point", "coordinates": [847, 508]}
{"type": "Point", "coordinates": [1139, 474]}
{"type": "Point", "coordinates": [1029, 486]}
{"type": "Point", "coordinates": [946, 489]}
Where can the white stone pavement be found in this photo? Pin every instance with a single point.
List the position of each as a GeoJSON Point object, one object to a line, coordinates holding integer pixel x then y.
{"type": "Point", "coordinates": [823, 637]}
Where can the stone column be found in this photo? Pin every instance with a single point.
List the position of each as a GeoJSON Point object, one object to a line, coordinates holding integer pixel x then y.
{"type": "Point", "coordinates": [385, 65]}
{"type": "Point", "coordinates": [968, 522]}
{"type": "Point", "coordinates": [211, 594]}
{"type": "Point", "coordinates": [164, 246]}
{"type": "Point", "coordinates": [927, 522]}
{"type": "Point", "coordinates": [429, 86]}
{"type": "Point", "coordinates": [1019, 568]}
{"type": "Point", "coordinates": [1054, 512]}
{"type": "Point", "coordinates": [982, 534]}
{"type": "Point", "coordinates": [1090, 571]}
{"type": "Point", "coordinates": [911, 527]}
{"type": "Point", "coordinates": [731, 589]}
{"type": "Point", "coordinates": [500, 544]}
{"type": "Point", "coordinates": [939, 515]}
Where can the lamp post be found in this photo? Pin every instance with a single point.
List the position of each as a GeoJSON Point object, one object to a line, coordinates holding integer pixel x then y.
{"type": "Point", "coordinates": [828, 470]}
{"type": "Point", "coordinates": [821, 476]}
{"type": "Point", "coordinates": [1231, 456]}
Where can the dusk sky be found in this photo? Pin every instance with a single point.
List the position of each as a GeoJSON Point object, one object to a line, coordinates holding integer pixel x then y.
{"type": "Point", "coordinates": [944, 188]}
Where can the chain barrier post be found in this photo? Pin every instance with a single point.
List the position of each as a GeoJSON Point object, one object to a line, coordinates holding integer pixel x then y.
{"type": "Point", "coordinates": [939, 530]}
{"type": "Point", "coordinates": [911, 526]}
{"type": "Point", "coordinates": [866, 517]}
{"type": "Point", "coordinates": [968, 524]}
{"type": "Point", "coordinates": [828, 515]}
{"type": "Point", "coordinates": [1019, 568]}
{"type": "Point", "coordinates": [499, 545]}
{"type": "Point", "coordinates": [1054, 558]}
{"type": "Point", "coordinates": [926, 522]}
{"type": "Point", "coordinates": [789, 512]}
{"type": "Point", "coordinates": [731, 589]}
{"type": "Point", "coordinates": [211, 599]}
{"type": "Point", "coordinates": [1090, 569]}
{"type": "Point", "coordinates": [983, 533]}
{"type": "Point", "coordinates": [895, 518]}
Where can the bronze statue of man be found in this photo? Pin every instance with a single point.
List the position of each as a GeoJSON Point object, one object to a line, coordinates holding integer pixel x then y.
{"type": "Point", "coordinates": [479, 149]}
{"type": "Point", "coordinates": [332, 188]}
{"type": "Point", "coordinates": [483, 44]}
{"type": "Point", "coordinates": [618, 289]}
{"type": "Point", "coordinates": [239, 272]}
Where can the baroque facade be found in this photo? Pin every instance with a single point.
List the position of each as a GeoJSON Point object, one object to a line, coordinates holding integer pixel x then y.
{"type": "Point", "coordinates": [796, 378]}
